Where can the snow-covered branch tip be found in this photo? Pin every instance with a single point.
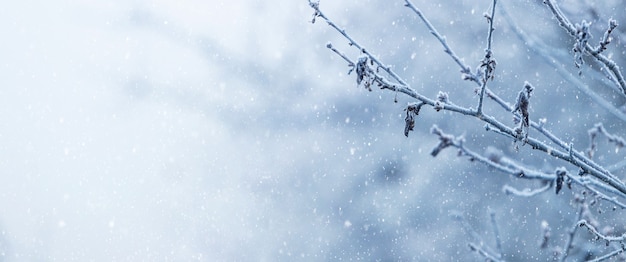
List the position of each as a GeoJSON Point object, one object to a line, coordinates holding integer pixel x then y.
{"type": "Point", "coordinates": [330, 46]}
{"type": "Point", "coordinates": [466, 72]}
{"type": "Point", "coordinates": [442, 100]}
{"type": "Point", "coordinates": [412, 110]}
{"type": "Point", "coordinates": [606, 38]}
{"type": "Point", "coordinates": [522, 105]}
{"type": "Point", "coordinates": [445, 140]}
{"type": "Point", "coordinates": [526, 192]}
{"type": "Point", "coordinates": [598, 129]}
{"type": "Point", "coordinates": [316, 6]}
{"type": "Point", "coordinates": [599, 236]}
{"type": "Point", "coordinates": [488, 64]}
{"type": "Point", "coordinates": [582, 38]}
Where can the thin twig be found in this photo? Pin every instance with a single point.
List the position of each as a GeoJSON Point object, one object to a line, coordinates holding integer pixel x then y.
{"type": "Point", "coordinates": [593, 185]}
{"type": "Point", "coordinates": [496, 232]}
{"type": "Point", "coordinates": [609, 255]}
{"type": "Point", "coordinates": [464, 68]}
{"type": "Point", "coordinates": [599, 235]}
{"type": "Point", "coordinates": [488, 62]}
{"type": "Point", "coordinates": [332, 48]}
{"type": "Point", "coordinates": [484, 253]}
{"type": "Point", "coordinates": [572, 232]}
{"type": "Point", "coordinates": [526, 192]}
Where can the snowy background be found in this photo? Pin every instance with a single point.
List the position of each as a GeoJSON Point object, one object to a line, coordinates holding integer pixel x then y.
{"type": "Point", "coordinates": [225, 130]}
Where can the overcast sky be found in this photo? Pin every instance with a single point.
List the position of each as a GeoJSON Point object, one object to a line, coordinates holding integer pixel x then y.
{"type": "Point", "coordinates": [143, 130]}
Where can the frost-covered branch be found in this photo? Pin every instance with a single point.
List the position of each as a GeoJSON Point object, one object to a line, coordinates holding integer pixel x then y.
{"type": "Point", "coordinates": [576, 159]}
{"type": "Point", "coordinates": [581, 36]}
{"type": "Point", "coordinates": [594, 186]}
{"type": "Point", "coordinates": [608, 239]}
{"type": "Point", "coordinates": [497, 162]}
{"type": "Point", "coordinates": [527, 192]}
{"type": "Point", "coordinates": [549, 56]}
{"type": "Point", "coordinates": [606, 38]}
{"type": "Point", "coordinates": [342, 55]}
{"type": "Point", "coordinates": [609, 255]}
{"type": "Point", "coordinates": [503, 164]}
{"type": "Point", "coordinates": [600, 236]}
{"type": "Point", "coordinates": [465, 70]}
{"type": "Point", "coordinates": [601, 174]}
{"type": "Point", "coordinates": [352, 42]}
{"type": "Point", "coordinates": [488, 64]}
{"type": "Point", "coordinates": [598, 129]}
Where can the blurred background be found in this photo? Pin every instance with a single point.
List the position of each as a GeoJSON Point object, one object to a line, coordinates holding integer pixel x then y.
{"type": "Point", "coordinates": [227, 131]}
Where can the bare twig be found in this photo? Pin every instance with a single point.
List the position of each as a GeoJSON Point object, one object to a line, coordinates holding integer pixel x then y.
{"type": "Point", "coordinates": [496, 233]}
{"type": "Point", "coordinates": [509, 190]}
{"type": "Point", "coordinates": [484, 253]}
{"type": "Point", "coordinates": [572, 232]}
{"type": "Point", "coordinates": [465, 70]}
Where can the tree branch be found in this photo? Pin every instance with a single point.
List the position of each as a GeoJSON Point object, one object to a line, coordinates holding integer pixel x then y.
{"type": "Point", "coordinates": [596, 53]}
